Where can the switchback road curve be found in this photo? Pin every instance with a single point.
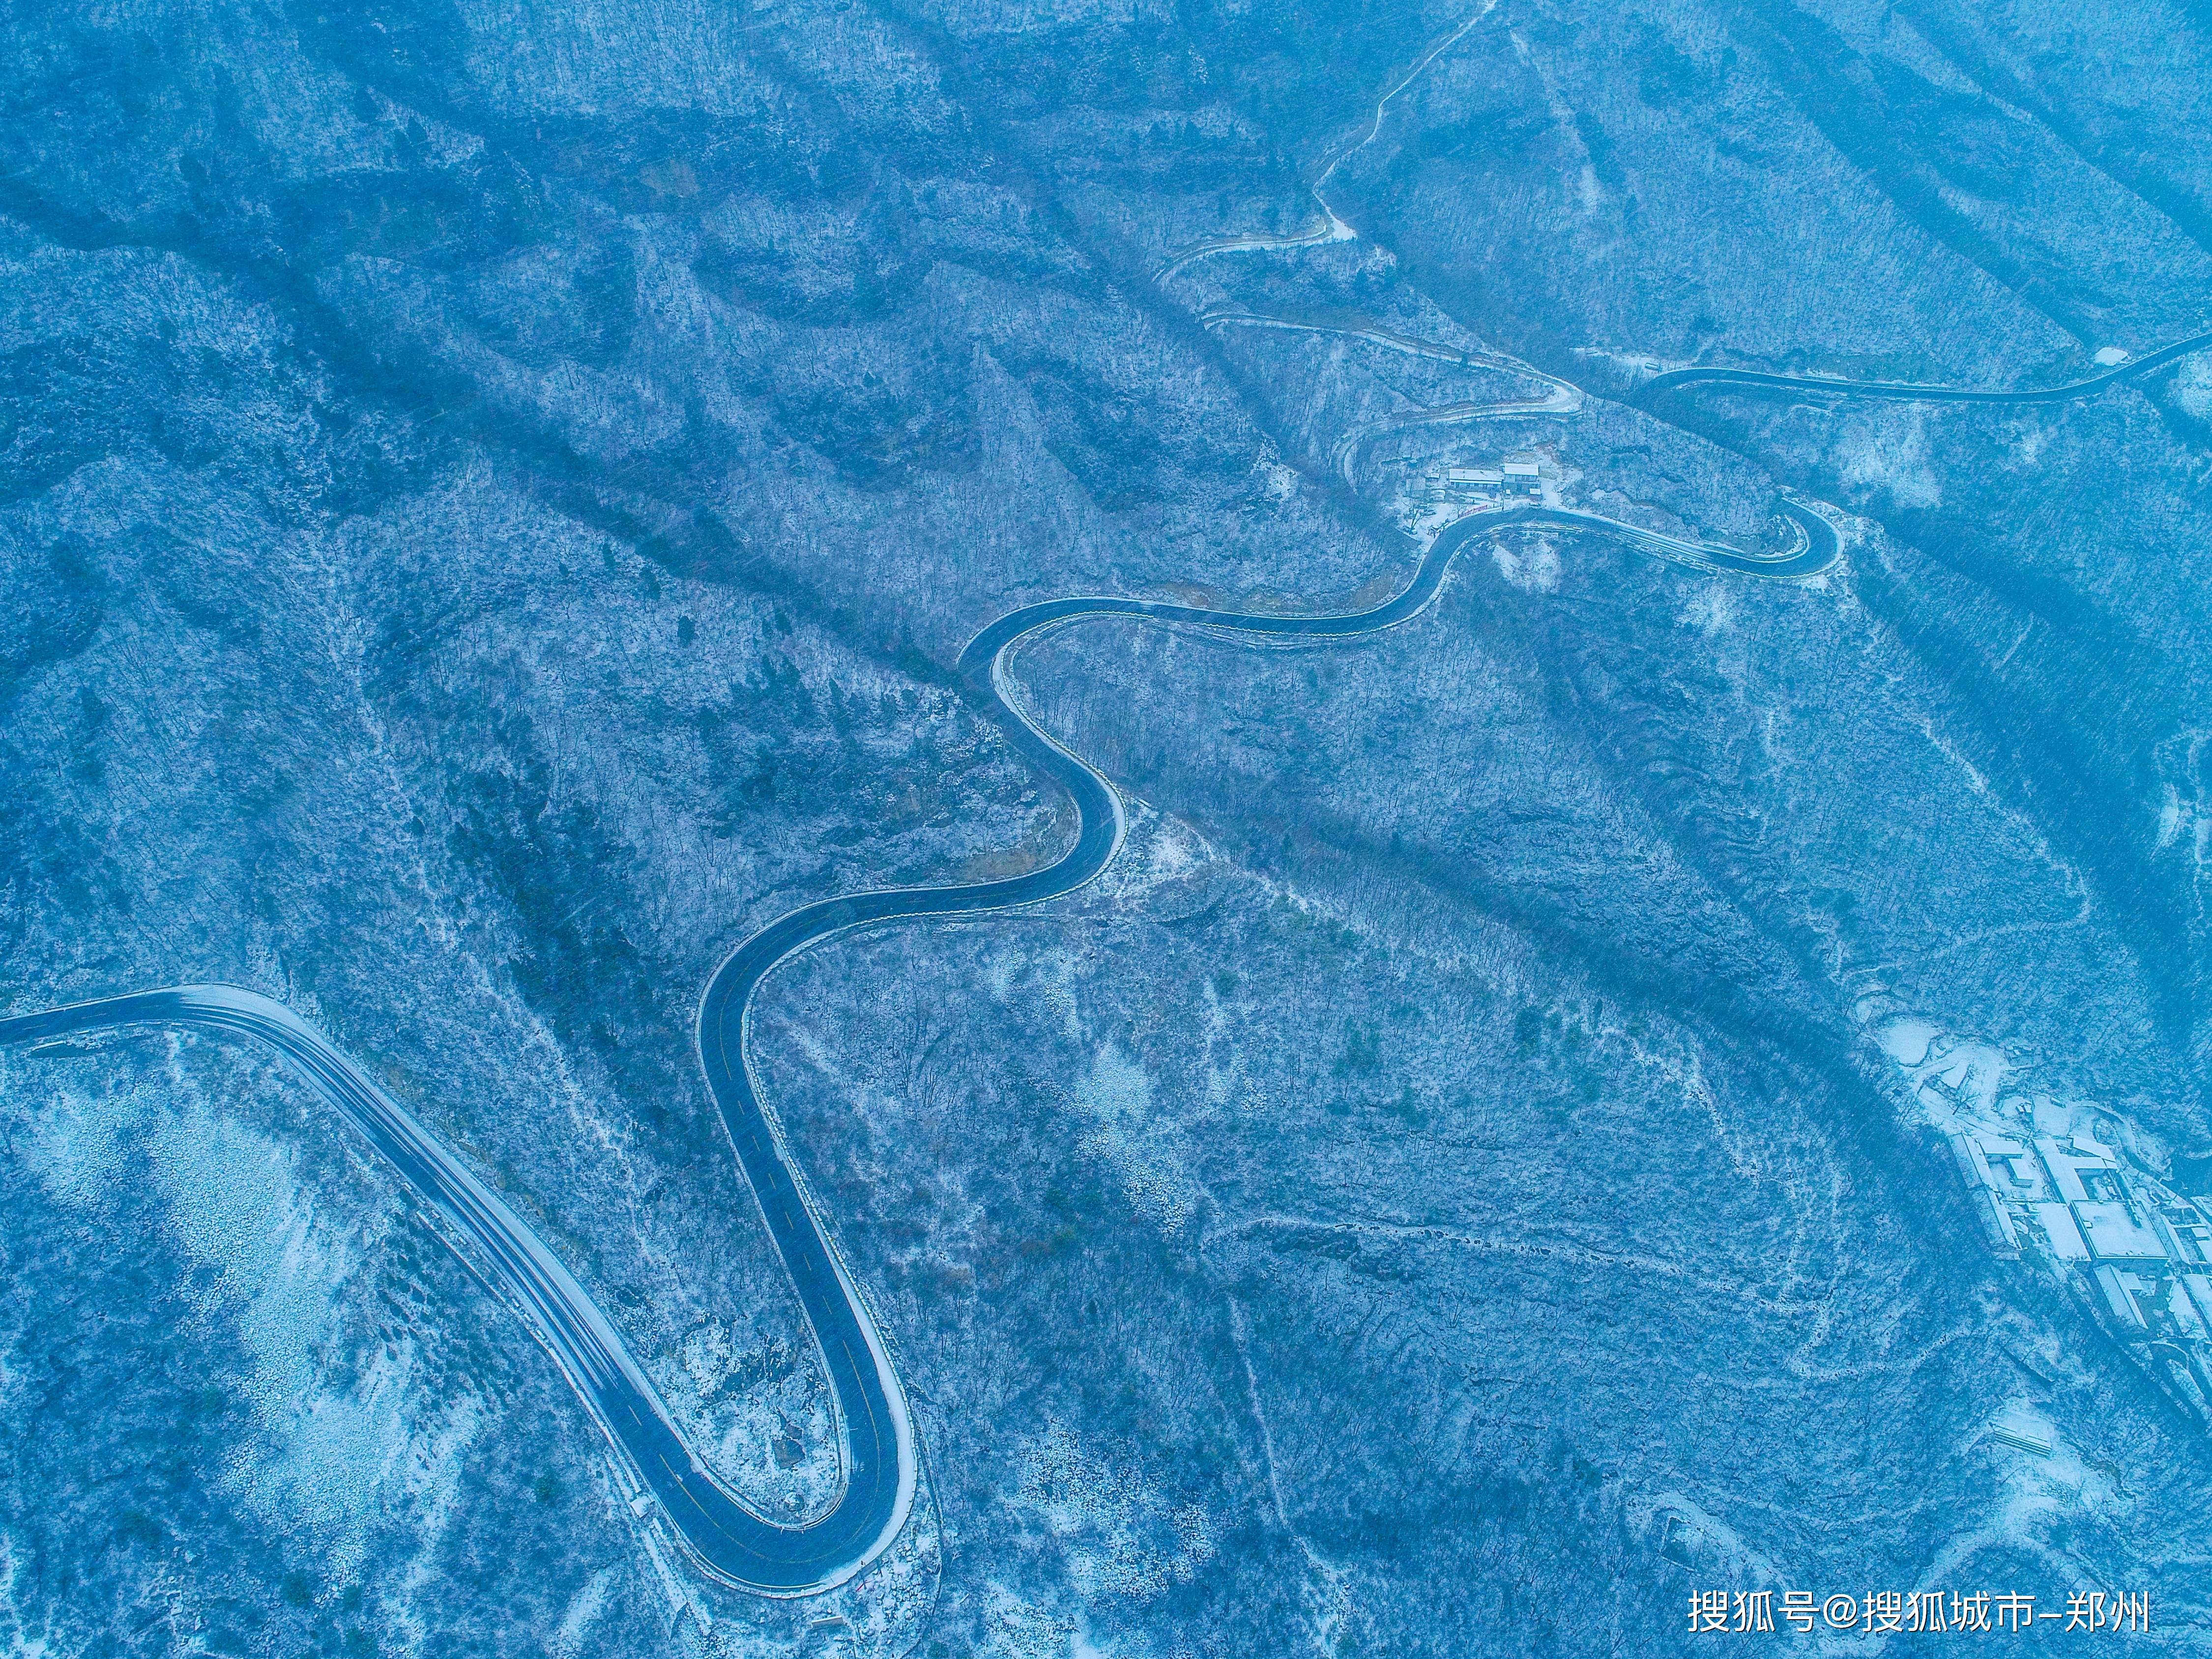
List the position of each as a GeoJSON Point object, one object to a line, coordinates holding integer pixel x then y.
{"type": "Point", "coordinates": [729, 1542]}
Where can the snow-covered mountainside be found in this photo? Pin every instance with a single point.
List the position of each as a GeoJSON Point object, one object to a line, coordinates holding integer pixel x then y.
{"type": "Point", "coordinates": [1676, 1069]}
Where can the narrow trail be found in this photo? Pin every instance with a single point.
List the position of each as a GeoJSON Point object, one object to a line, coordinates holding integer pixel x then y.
{"type": "Point", "coordinates": [731, 1544]}
{"type": "Point", "coordinates": [1331, 228]}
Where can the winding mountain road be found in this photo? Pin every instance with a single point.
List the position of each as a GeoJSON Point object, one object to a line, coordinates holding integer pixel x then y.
{"type": "Point", "coordinates": [731, 1543]}
{"type": "Point", "coordinates": [1675, 379]}
{"type": "Point", "coordinates": [1344, 455]}
{"type": "Point", "coordinates": [1468, 357]}
{"type": "Point", "coordinates": [1562, 397]}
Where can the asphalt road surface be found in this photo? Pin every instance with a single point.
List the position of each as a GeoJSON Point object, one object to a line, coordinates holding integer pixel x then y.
{"type": "Point", "coordinates": [1910, 391]}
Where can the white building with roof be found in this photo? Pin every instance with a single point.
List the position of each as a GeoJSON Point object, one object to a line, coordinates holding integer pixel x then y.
{"type": "Point", "coordinates": [2115, 1235]}
{"type": "Point", "coordinates": [2125, 1293]}
{"type": "Point", "coordinates": [2070, 1162]}
{"type": "Point", "coordinates": [2056, 1221]}
{"type": "Point", "coordinates": [2010, 1167]}
{"type": "Point", "coordinates": [2188, 1237]}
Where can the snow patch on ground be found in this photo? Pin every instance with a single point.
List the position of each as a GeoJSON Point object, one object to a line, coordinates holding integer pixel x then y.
{"type": "Point", "coordinates": [772, 1438]}
{"type": "Point", "coordinates": [237, 1207]}
{"type": "Point", "coordinates": [1533, 569]}
{"type": "Point", "coordinates": [1158, 850]}
{"type": "Point", "coordinates": [2034, 1493]}
{"type": "Point", "coordinates": [19, 1640]}
{"type": "Point", "coordinates": [1685, 1530]}
{"type": "Point", "coordinates": [583, 1612]}
{"type": "Point", "coordinates": [1278, 482]}
{"type": "Point", "coordinates": [75, 1147]}
{"type": "Point", "coordinates": [2193, 385]}
{"type": "Point", "coordinates": [1016, 1628]}
{"type": "Point", "coordinates": [1710, 610]}
{"type": "Point", "coordinates": [2184, 815]}
{"type": "Point", "coordinates": [1147, 1153]}
{"type": "Point", "coordinates": [1906, 1041]}
{"type": "Point", "coordinates": [338, 1458]}
{"type": "Point", "coordinates": [1117, 1535]}
{"type": "Point", "coordinates": [1887, 449]}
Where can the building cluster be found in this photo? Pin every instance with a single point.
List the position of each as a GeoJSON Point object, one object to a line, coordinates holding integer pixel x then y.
{"type": "Point", "coordinates": [2055, 1190]}
{"type": "Point", "coordinates": [1517, 478]}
